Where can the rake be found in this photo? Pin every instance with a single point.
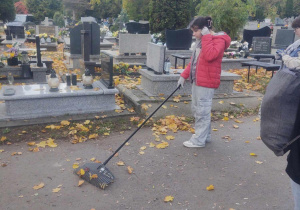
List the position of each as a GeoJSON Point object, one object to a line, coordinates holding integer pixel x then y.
{"type": "Point", "coordinates": [98, 174]}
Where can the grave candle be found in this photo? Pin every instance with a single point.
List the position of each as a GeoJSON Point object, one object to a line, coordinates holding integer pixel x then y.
{"type": "Point", "coordinates": [68, 77]}
{"type": "Point", "coordinates": [74, 79]}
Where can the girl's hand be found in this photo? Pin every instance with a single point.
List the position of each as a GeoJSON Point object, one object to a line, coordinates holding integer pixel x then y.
{"type": "Point", "coordinates": [205, 31]}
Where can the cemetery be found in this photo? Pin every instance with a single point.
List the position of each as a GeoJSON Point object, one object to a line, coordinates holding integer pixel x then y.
{"type": "Point", "coordinates": [78, 77]}
{"type": "Point", "coordinates": [89, 45]}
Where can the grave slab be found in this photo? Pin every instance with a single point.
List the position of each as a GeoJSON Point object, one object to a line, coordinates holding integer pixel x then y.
{"type": "Point", "coordinates": [33, 101]}
{"type": "Point", "coordinates": [133, 43]}
{"type": "Point", "coordinates": [154, 85]}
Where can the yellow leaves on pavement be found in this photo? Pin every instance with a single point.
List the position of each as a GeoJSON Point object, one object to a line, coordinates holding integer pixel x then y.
{"type": "Point", "coordinates": [74, 88]}
{"type": "Point", "coordinates": [238, 121]}
{"type": "Point", "coordinates": [258, 138]}
{"type": "Point", "coordinates": [225, 118]}
{"type": "Point", "coordinates": [1, 150]}
{"type": "Point", "coordinates": [236, 126]}
{"type": "Point", "coordinates": [221, 102]}
{"type": "Point", "coordinates": [39, 186]}
{"type": "Point", "coordinates": [143, 148]}
{"type": "Point", "coordinates": [164, 106]}
{"type": "Point", "coordinates": [81, 172]}
{"type": "Point", "coordinates": [52, 127]}
{"type": "Point", "coordinates": [176, 99]}
{"type": "Point", "coordinates": [129, 169]}
{"type": "Point", "coordinates": [3, 138]}
{"type": "Point", "coordinates": [162, 145]}
{"type": "Point", "coordinates": [93, 136]}
{"type": "Point", "coordinates": [144, 106]}
{"type": "Point", "coordinates": [185, 102]}
{"type": "Point", "coordinates": [210, 187]}
{"type": "Point", "coordinates": [31, 143]}
{"type": "Point", "coordinates": [214, 129]}
{"type": "Point", "coordinates": [65, 122]}
{"type": "Point", "coordinates": [118, 110]}
{"type": "Point", "coordinates": [76, 165]}
{"type": "Point", "coordinates": [131, 110]}
{"type": "Point", "coordinates": [258, 162]}
{"type": "Point", "coordinates": [49, 143]}
{"type": "Point", "coordinates": [168, 198]}
{"type": "Point", "coordinates": [55, 190]}
{"type": "Point", "coordinates": [170, 137]}
{"type": "Point", "coordinates": [106, 134]}
{"type": "Point", "coordinates": [82, 127]}
{"type": "Point", "coordinates": [151, 145]}
{"type": "Point", "coordinates": [253, 154]}
{"type": "Point", "coordinates": [80, 182]}
{"type": "Point", "coordinates": [120, 163]}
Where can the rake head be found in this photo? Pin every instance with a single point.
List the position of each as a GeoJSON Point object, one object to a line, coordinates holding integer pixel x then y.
{"type": "Point", "coordinates": [96, 174]}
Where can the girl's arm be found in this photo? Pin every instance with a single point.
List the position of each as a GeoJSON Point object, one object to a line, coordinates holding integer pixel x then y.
{"type": "Point", "coordinates": [291, 62]}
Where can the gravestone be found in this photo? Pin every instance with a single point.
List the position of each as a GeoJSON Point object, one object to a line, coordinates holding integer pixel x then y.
{"type": "Point", "coordinates": [132, 27]}
{"type": "Point", "coordinates": [279, 22]}
{"type": "Point", "coordinates": [16, 31]}
{"type": "Point", "coordinates": [144, 28]}
{"type": "Point", "coordinates": [137, 28]}
{"type": "Point", "coordinates": [249, 34]}
{"type": "Point", "coordinates": [30, 25]}
{"type": "Point", "coordinates": [107, 70]}
{"type": "Point", "coordinates": [284, 37]}
{"type": "Point", "coordinates": [133, 43]}
{"type": "Point", "coordinates": [75, 38]}
{"type": "Point", "coordinates": [261, 45]}
{"type": "Point", "coordinates": [49, 30]}
{"type": "Point", "coordinates": [155, 57]}
{"type": "Point", "coordinates": [178, 39]}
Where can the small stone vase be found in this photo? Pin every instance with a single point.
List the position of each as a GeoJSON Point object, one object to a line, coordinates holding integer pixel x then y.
{"type": "Point", "coordinates": [53, 84]}
{"type": "Point", "coordinates": [87, 81]}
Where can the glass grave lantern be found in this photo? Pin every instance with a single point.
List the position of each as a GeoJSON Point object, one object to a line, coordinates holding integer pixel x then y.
{"type": "Point", "coordinates": [24, 57]}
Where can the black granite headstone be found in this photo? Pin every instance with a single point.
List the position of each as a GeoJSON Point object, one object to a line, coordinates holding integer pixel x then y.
{"type": "Point", "coordinates": [178, 39]}
{"type": "Point", "coordinates": [261, 45]}
{"type": "Point", "coordinates": [249, 34]}
{"type": "Point", "coordinates": [94, 34]}
{"type": "Point", "coordinates": [95, 39]}
{"type": "Point", "coordinates": [75, 39]}
{"type": "Point", "coordinates": [133, 27]}
{"type": "Point", "coordinates": [107, 70]}
{"type": "Point", "coordinates": [144, 28]}
{"type": "Point", "coordinates": [284, 37]}
{"type": "Point", "coordinates": [17, 31]}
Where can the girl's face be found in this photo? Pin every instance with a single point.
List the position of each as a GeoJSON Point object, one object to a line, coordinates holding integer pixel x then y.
{"type": "Point", "coordinates": [297, 31]}
{"type": "Point", "coordinates": [197, 33]}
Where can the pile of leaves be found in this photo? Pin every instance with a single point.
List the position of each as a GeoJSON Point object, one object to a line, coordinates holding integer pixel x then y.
{"type": "Point", "coordinates": [257, 81]}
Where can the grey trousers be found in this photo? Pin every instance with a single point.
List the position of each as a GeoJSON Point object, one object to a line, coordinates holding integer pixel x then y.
{"type": "Point", "coordinates": [201, 108]}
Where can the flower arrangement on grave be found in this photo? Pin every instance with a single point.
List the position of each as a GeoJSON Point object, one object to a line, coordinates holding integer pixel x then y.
{"type": "Point", "coordinates": [12, 54]}
{"type": "Point", "coordinates": [104, 29]}
{"type": "Point", "coordinates": [43, 35]}
{"type": "Point", "coordinates": [232, 55]}
{"type": "Point", "coordinates": [123, 69]}
{"type": "Point", "coordinates": [157, 37]}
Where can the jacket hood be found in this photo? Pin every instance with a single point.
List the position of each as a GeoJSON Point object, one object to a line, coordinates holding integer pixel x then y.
{"type": "Point", "coordinates": [224, 36]}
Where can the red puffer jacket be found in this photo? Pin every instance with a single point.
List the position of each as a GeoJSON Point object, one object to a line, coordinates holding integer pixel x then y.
{"type": "Point", "coordinates": [208, 69]}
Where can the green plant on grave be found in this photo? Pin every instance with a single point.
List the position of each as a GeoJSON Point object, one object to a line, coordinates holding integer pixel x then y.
{"type": "Point", "coordinates": [121, 68]}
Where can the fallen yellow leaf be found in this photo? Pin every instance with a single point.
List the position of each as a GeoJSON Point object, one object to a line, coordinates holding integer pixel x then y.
{"type": "Point", "coordinates": [87, 122]}
{"type": "Point", "coordinates": [214, 129]}
{"type": "Point", "coordinates": [259, 162]}
{"type": "Point", "coordinates": [3, 138]}
{"type": "Point", "coordinates": [143, 148]}
{"type": "Point", "coordinates": [93, 159]}
{"type": "Point", "coordinates": [75, 165]}
{"type": "Point", "coordinates": [210, 187]}
{"type": "Point", "coordinates": [94, 176]}
{"type": "Point", "coordinates": [225, 118]}
{"type": "Point", "coordinates": [221, 102]}
{"type": "Point", "coordinates": [55, 190]}
{"type": "Point", "coordinates": [151, 145]}
{"type": "Point", "coordinates": [39, 186]}
{"type": "Point", "coordinates": [120, 163]}
{"type": "Point", "coordinates": [31, 143]}
{"type": "Point", "coordinates": [129, 169]}
{"type": "Point", "coordinates": [164, 106]}
{"type": "Point", "coordinates": [162, 145]}
{"type": "Point", "coordinates": [93, 136]}
{"type": "Point", "coordinates": [235, 126]}
{"type": "Point", "coordinates": [168, 198]}
{"type": "Point", "coordinates": [141, 152]}
{"type": "Point", "coordinates": [65, 122]}
{"type": "Point", "coordinates": [80, 182]}
{"type": "Point", "coordinates": [253, 154]}
{"type": "Point", "coordinates": [170, 137]}
{"type": "Point", "coordinates": [106, 134]}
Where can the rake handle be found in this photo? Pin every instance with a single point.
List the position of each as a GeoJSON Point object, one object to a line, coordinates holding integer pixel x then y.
{"type": "Point", "coordinates": [141, 125]}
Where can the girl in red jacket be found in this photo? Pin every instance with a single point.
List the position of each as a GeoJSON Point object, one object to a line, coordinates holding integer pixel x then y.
{"type": "Point", "coordinates": [204, 72]}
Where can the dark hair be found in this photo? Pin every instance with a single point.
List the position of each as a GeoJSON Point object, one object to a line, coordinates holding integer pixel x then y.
{"type": "Point", "coordinates": [296, 23]}
{"type": "Point", "coordinates": [201, 22]}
